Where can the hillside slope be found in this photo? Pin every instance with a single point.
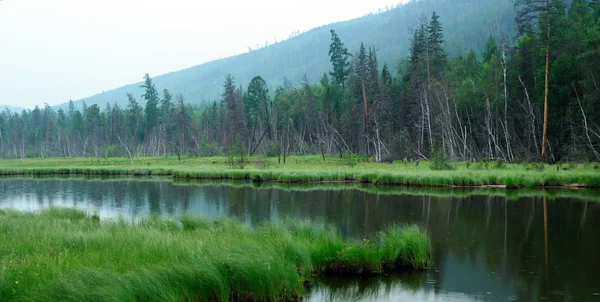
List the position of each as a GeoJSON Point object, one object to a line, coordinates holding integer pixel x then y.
{"type": "Point", "coordinates": [467, 25]}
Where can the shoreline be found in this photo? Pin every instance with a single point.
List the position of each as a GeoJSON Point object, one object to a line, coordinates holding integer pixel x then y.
{"type": "Point", "coordinates": [311, 171]}
{"type": "Point", "coordinates": [257, 177]}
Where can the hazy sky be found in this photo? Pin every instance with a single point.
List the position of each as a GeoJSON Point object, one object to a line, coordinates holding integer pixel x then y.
{"type": "Point", "coordinates": [55, 50]}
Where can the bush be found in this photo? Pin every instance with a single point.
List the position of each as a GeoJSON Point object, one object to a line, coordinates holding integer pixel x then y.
{"type": "Point", "coordinates": [349, 159]}
{"type": "Point", "coordinates": [484, 163]}
{"type": "Point", "coordinates": [439, 161]}
{"type": "Point", "coordinates": [237, 154]}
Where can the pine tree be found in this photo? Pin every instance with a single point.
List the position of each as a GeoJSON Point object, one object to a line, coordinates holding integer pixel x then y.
{"type": "Point", "coordinates": [437, 57]}
{"type": "Point", "coordinates": [71, 108]}
{"type": "Point", "coordinates": [166, 105]}
{"type": "Point", "coordinates": [419, 58]}
{"type": "Point", "coordinates": [232, 99]}
{"type": "Point", "coordinates": [417, 48]}
{"type": "Point", "coordinates": [151, 97]}
{"type": "Point", "coordinates": [490, 49]}
{"type": "Point", "coordinates": [338, 55]}
{"type": "Point", "coordinates": [256, 105]}
{"type": "Point", "coordinates": [361, 72]}
{"type": "Point", "coordinates": [134, 112]}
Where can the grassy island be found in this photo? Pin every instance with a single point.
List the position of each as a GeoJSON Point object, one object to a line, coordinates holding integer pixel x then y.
{"type": "Point", "coordinates": [66, 254]}
{"type": "Point", "coordinates": [312, 169]}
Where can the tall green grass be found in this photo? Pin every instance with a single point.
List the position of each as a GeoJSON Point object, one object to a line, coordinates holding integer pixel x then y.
{"type": "Point", "coordinates": [310, 169]}
{"type": "Point", "coordinates": [68, 255]}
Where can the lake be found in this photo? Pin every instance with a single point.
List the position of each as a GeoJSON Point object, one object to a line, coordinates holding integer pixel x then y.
{"type": "Point", "coordinates": [489, 245]}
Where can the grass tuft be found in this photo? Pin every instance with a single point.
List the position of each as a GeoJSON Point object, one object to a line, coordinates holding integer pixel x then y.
{"type": "Point", "coordinates": [67, 255]}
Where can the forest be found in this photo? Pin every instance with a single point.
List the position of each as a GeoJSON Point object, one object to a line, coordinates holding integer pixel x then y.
{"type": "Point", "coordinates": [530, 97]}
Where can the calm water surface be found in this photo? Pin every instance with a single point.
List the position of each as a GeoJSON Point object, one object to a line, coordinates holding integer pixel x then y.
{"type": "Point", "coordinates": [486, 248]}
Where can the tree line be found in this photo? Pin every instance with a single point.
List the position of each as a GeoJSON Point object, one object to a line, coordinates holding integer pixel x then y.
{"type": "Point", "coordinates": [531, 97]}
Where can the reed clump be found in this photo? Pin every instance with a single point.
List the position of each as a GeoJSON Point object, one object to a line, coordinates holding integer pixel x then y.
{"type": "Point", "coordinates": [69, 255]}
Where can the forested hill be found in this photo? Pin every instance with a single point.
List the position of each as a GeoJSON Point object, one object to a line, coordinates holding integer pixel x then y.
{"type": "Point", "coordinates": [468, 24]}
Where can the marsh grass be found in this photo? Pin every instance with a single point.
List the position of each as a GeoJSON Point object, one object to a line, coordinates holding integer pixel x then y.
{"type": "Point", "coordinates": [311, 169]}
{"type": "Point", "coordinates": [66, 254]}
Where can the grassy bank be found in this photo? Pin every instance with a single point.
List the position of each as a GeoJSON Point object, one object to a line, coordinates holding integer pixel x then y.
{"type": "Point", "coordinates": [310, 169]}
{"type": "Point", "coordinates": [64, 254]}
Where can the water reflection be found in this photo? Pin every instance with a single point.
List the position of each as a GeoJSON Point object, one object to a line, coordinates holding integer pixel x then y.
{"type": "Point", "coordinates": [486, 246]}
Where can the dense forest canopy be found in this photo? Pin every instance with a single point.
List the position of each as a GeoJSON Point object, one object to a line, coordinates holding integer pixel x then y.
{"type": "Point", "coordinates": [433, 103]}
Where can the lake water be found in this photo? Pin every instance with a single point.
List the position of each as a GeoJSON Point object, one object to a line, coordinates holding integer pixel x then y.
{"type": "Point", "coordinates": [487, 247]}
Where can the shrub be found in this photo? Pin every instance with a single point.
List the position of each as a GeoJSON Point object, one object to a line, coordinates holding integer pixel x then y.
{"type": "Point", "coordinates": [485, 163]}
{"type": "Point", "coordinates": [237, 154]}
{"type": "Point", "coordinates": [439, 161]}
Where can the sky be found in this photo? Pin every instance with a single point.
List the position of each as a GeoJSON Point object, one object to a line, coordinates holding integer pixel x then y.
{"type": "Point", "coordinates": [52, 51]}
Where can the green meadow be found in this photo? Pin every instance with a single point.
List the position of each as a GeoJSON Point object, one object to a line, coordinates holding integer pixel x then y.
{"type": "Point", "coordinates": [312, 169]}
{"type": "Point", "coordinates": [68, 255]}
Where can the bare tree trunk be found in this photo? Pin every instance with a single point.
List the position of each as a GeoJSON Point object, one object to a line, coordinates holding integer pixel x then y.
{"type": "Point", "coordinates": [259, 141]}
{"type": "Point", "coordinates": [585, 125]}
{"type": "Point", "coordinates": [531, 115]}
{"type": "Point", "coordinates": [126, 148]}
{"type": "Point", "coordinates": [422, 126]}
{"type": "Point", "coordinates": [366, 113]}
{"type": "Point", "coordinates": [506, 133]}
{"type": "Point", "coordinates": [428, 122]}
{"type": "Point", "coordinates": [427, 61]}
{"type": "Point", "coordinates": [488, 126]}
{"type": "Point", "coordinates": [545, 132]}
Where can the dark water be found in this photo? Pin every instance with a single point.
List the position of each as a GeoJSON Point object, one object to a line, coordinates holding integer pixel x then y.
{"type": "Point", "coordinates": [486, 248]}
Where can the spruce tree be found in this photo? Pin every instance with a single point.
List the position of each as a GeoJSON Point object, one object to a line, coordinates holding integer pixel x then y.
{"type": "Point", "coordinates": [437, 55]}
{"type": "Point", "coordinates": [166, 104]}
{"type": "Point", "coordinates": [490, 49]}
{"type": "Point", "coordinates": [151, 97]}
{"type": "Point", "coordinates": [338, 55]}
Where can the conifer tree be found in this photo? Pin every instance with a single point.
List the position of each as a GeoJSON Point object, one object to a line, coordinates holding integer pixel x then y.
{"type": "Point", "coordinates": [338, 54]}
{"type": "Point", "coordinates": [435, 51]}
{"type": "Point", "coordinates": [151, 97]}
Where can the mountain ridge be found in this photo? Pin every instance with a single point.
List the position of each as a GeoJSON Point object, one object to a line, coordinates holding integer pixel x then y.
{"type": "Point", "coordinates": [468, 24]}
